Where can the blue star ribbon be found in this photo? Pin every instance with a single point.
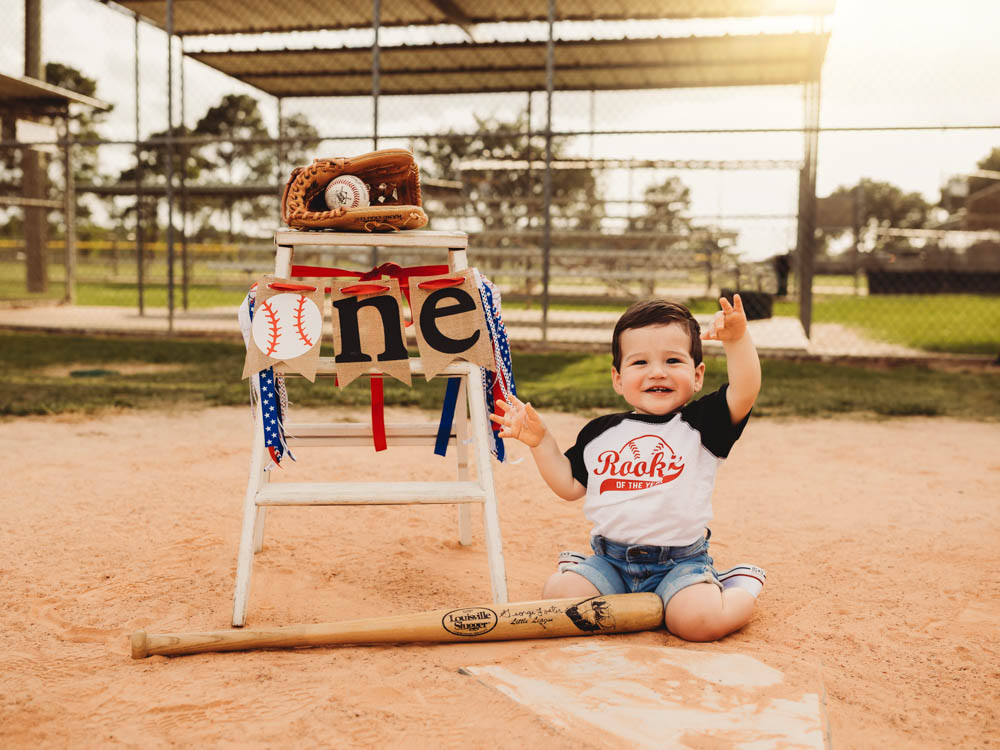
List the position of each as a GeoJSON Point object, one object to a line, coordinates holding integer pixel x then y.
{"type": "Point", "coordinates": [267, 390]}
{"type": "Point", "coordinates": [498, 384]}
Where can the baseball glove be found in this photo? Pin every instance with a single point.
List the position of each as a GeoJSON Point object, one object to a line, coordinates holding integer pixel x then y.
{"type": "Point", "coordinates": [393, 182]}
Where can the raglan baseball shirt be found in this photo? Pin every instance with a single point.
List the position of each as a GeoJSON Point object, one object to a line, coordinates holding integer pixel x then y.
{"type": "Point", "coordinates": [649, 478]}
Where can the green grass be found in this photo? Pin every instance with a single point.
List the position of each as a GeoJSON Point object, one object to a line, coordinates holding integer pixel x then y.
{"type": "Point", "coordinates": [95, 288]}
{"type": "Point", "coordinates": [952, 323]}
{"type": "Point", "coordinates": [36, 368]}
{"type": "Point", "coordinates": [945, 323]}
{"type": "Point", "coordinates": [125, 294]}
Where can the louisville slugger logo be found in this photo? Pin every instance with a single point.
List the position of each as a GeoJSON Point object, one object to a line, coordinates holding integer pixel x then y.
{"type": "Point", "coordinates": [642, 462]}
{"type": "Point", "coordinates": [470, 621]}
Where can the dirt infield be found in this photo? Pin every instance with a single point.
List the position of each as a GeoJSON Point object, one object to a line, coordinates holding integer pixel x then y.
{"type": "Point", "coordinates": [879, 539]}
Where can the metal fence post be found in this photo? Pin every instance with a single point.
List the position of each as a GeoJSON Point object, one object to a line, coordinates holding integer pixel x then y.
{"type": "Point", "coordinates": [550, 65]}
{"type": "Point", "coordinates": [70, 215]}
{"type": "Point", "coordinates": [139, 244]}
{"type": "Point", "coordinates": [170, 166]}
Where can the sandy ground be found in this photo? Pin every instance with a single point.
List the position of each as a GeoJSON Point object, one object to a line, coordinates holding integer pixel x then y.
{"type": "Point", "coordinates": [880, 542]}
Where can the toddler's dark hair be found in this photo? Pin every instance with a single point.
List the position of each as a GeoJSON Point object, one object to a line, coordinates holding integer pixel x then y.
{"type": "Point", "coordinates": [655, 312]}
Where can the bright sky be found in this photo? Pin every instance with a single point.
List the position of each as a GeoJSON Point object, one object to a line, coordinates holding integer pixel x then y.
{"type": "Point", "coordinates": [889, 62]}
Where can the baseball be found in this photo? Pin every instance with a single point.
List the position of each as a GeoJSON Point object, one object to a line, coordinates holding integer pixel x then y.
{"type": "Point", "coordinates": [286, 326]}
{"type": "Point", "coordinates": [347, 191]}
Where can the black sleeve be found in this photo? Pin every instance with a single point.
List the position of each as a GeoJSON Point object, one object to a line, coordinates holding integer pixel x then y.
{"type": "Point", "coordinates": [590, 430]}
{"type": "Point", "coordinates": [710, 416]}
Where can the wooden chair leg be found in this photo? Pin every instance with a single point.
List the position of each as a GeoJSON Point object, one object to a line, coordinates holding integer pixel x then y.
{"type": "Point", "coordinates": [244, 558]}
{"type": "Point", "coordinates": [464, 525]}
{"type": "Point", "coordinates": [462, 456]}
{"type": "Point", "coordinates": [494, 547]}
{"type": "Point", "coordinates": [258, 533]}
{"type": "Point", "coordinates": [484, 471]}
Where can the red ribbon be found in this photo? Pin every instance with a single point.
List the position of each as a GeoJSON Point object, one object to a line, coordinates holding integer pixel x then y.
{"type": "Point", "coordinates": [378, 414]}
{"type": "Point", "coordinates": [441, 283]}
{"type": "Point", "coordinates": [283, 287]}
{"type": "Point", "coordinates": [359, 289]}
{"type": "Point", "coordinates": [392, 270]}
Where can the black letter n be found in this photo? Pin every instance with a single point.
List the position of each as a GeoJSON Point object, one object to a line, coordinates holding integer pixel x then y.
{"type": "Point", "coordinates": [350, 330]}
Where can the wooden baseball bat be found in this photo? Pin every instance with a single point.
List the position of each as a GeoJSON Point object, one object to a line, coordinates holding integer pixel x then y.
{"type": "Point", "coordinates": [547, 618]}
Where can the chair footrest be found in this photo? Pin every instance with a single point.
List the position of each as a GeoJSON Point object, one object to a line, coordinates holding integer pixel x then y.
{"type": "Point", "coordinates": [370, 493]}
{"type": "Point", "coordinates": [357, 433]}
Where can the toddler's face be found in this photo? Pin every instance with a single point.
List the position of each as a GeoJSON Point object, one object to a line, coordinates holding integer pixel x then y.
{"type": "Point", "coordinates": [658, 374]}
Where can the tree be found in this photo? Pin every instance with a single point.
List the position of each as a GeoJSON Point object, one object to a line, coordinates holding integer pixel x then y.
{"type": "Point", "coordinates": [188, 164]}
{"type": "Point", "coordinates": [990, 163]}
{"type": "Point", "coordinates": [666, 227]}
{"type": "Point", "coordinates": [153, 160]}
{"type": "Point", "coordinates": [665, 206]}
{"type": "Point", "coordinates": [299, 141]}
{"type": "Point", "coordinates": [234, 150]}
{"type": "Point", "coordinates": [238, 156]}
{"type": "Point", "coordinates": [83, 121]}
{"type": "Point", "coordinates": [872, 205]}
{"type": "Point", "coordinates": [501, 191]}
{"type": "Point", "coordinates": [976, 197]}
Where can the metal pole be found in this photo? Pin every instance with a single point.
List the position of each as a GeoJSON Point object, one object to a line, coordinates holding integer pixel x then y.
{"type": "Point", "coordinates": [33, 38]}
{"type": "Point", "coordinates": [857, 222]}
{"type": "Point", "coordinates": [70, 215]}
{"type": "Point", "coordinates": [530, 153]}
{"type": "Point", "coordinates": [376, 88]}
{"type": "Point", "coordinates": [550, 65]}
{"type": "Point", "coordinates": [170, 166]}
{"type": "Point", "coordinates": [802, 265]}
{"type": "Point", "coordinates": [529, 209]}
{"type": "Point", "coordinates": [185, 261]}
{"type": "Point", "coordinates": [281, 156]}
{"type": "Point", "coordinates": [139, 245]}
{"type": "Point", "coordinates": [376, 71]}
{"type": "Point", "coordinates": [807, 208]}
{"type": "Point", "coordinates": [593, 118]}
{"type": "Point", "coordinates": [33, 164]}
{"type": "Point", "coordinates": [807, 188]}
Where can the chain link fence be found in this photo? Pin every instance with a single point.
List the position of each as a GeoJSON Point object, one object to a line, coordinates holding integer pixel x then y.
{"type": "Point", "coordinates": [612, 190]}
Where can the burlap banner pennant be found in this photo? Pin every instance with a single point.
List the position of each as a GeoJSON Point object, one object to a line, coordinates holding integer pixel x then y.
{"type": "Point", "coordinates": [368, 329]}
{"type": "Point", "coordinates": [287, 326]}
{"type": "Point", "coordinates": [448, 317]}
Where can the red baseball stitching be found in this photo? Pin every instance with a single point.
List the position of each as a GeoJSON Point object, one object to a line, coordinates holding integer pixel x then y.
{"type": "Point", "coordinates": [635, 449]}
{"type": "Point", "coordinates": [300, 321]}
{"type": "Point", "coordinates": [354, 189]}
{"type": "Point", "coordinates": [275, 334]}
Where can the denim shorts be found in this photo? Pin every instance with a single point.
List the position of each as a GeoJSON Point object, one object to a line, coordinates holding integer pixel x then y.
{"type": "Point", "coordinates": [616, 568]}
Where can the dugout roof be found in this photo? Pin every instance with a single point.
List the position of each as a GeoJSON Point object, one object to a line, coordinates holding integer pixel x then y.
{"type": "Point", "coordinates": [593, 64]}
{"type": "Point", "coordinates": [32, 93]}
{"type": "Point", "coordinates": [197, 17]}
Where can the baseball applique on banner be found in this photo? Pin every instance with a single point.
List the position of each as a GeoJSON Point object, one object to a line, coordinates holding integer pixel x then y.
{"type": "Point", "coordinates": [448, 317]}
{"type": "Point", "coordinates": [368, 329]}
{"type": "Point", "coordinates": [287, 327]}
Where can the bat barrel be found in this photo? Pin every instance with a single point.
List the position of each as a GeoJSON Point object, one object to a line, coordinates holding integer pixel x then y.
{"type": "Point", "coordinates": [547, 618]}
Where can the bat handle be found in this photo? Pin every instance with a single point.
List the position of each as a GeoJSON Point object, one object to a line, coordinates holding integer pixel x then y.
{"type": "Point", "coordinates": [140, 646]}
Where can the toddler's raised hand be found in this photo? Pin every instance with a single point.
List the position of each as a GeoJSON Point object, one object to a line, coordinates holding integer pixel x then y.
{"type": "Point", "coordinates": [730, 323]}
{"type": "Point", "coordinates": [520, 421]}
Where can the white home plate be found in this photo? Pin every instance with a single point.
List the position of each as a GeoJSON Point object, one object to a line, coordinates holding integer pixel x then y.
{"type": "Point", "coordinates": [657, 697]}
